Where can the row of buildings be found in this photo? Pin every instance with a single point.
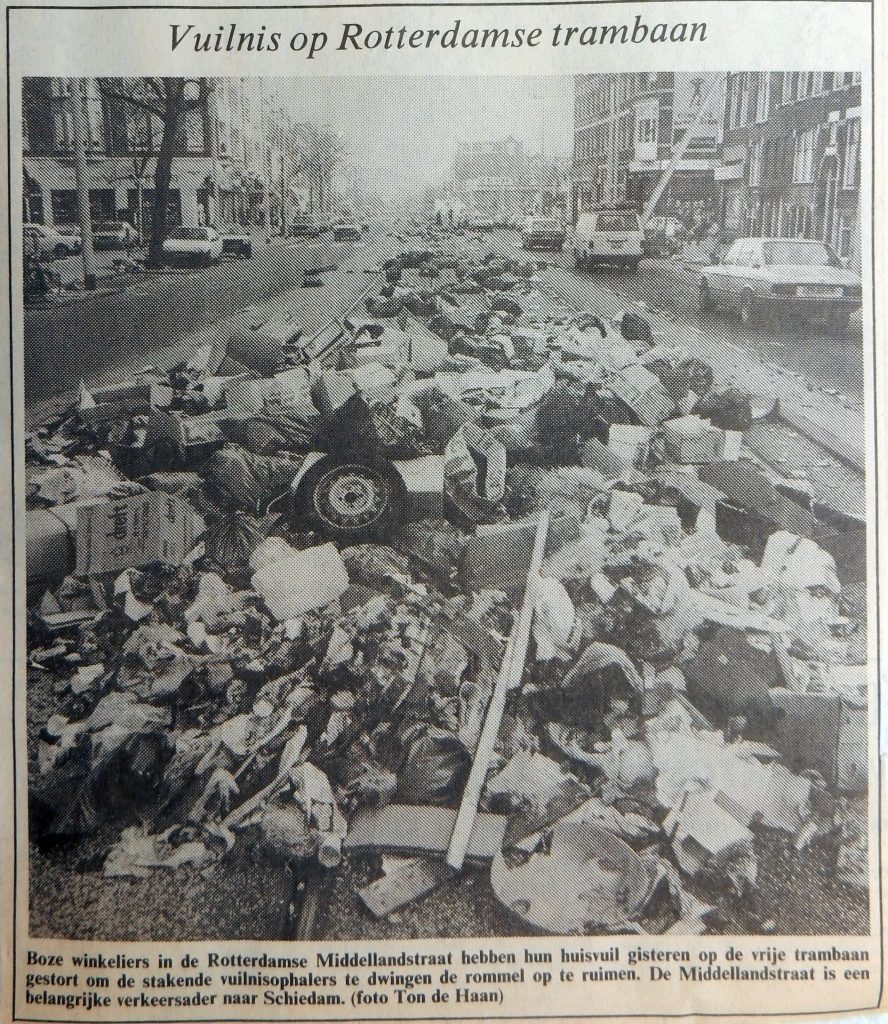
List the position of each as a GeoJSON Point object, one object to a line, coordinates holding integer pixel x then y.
{"type": "Point", "coordinates": [752, 153]}
{"type": "Point", "coordinates": [239, 156]}
{"type": "Point", "coordinates": [502, 180]}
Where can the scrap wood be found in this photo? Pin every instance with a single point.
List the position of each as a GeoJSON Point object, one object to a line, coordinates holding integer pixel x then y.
{"type": "Point", "coordinates": [509, 676]}
{"type": "Point", "coordinates": [416, 828]}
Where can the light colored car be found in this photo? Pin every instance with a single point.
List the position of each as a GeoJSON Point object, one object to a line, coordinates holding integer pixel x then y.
{"type": "Point", "coordinates": [607, 237]}
{"type": "Point", "coordinates": [42, 241]}
{"type": "Point", "coordinates": [796, 278]}
{"type": "Point", "coordinates": [202, 246]}
{"type": "Point", "coordinates": [114, 234]}
{"type": "Point", "coordinates": [480, 223]}
{"type": "Point", "coordinates": [542, 233]}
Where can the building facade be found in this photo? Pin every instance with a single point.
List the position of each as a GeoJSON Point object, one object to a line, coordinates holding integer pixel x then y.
{"type": "Point", "coordinates": [501, 180]}
{"type": "Point", "coordinates": [627, 128]}
{"type": "Point", "coordinates": [791, 157]}
{"type": "Point", "coordinates": [227, 164]}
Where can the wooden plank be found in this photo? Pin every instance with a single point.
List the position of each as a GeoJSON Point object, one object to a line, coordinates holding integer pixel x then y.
{"type": "Point", "coordinates": [413, 828]}
{"type": "Point", "coordinates": [509, 677]}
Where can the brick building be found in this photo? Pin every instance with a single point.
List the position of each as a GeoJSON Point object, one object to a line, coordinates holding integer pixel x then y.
{"type": "Point", "coordinates": [626, 129]}
{"type": "Point", "coordinates": [791, 157]}
{"type": "Point", "coordinates": [234, 140]}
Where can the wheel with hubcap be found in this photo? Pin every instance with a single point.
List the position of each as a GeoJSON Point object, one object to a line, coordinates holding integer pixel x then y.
{"type": "Point", "coordinates": [349, 500]}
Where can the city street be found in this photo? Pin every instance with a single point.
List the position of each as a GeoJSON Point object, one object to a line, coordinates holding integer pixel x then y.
{"type": "Point", "coordinates": [153, 318]}
{"type": "Point", "coordinates": [150, 321]}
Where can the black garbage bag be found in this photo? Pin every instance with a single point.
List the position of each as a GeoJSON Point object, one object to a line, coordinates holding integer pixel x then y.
{"type": "Point", "coordinates": [246, 481]}
{"type": "Point", "coordinates": [635, 328]}
{"type": "Point", "coordinates": [374, 428]}
{"type": "Point", "coordinates": [124, 788]}
{"type": "Point", "coordinates": [268, 435]}
{"type": "Point", "coordinates": [434, 767]}
{"type": "Point", "coordinates": [421, 303]}
{"type": "Point", "coordinates": [729, 410]}
{"type": "Point", "coordinates": [231, 539]}
{"type": "Point", "coordinates": [384, 306]}
{"type": "Point", "coordinates": [503, 304]}
{"type": "Point", "coordinates": [689, 375]}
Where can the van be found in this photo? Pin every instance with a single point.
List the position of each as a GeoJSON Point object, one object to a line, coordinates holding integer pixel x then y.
{"type": "Point", "coordinates": [612, 236]}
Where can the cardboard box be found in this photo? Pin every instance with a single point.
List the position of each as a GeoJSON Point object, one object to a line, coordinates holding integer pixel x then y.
{"type": "Point", "coordinates": [193, 437]}
{"type": "Point", "coordinates": [125, 533]}
{"type": "Point", "coordinates": [644, 393]}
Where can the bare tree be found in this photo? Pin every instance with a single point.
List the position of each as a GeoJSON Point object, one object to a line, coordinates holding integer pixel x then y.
{"type": "Point", "coordinates": [170, 100]}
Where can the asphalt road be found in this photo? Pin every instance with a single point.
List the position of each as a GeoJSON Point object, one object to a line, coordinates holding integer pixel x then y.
{"type": "Point", "coordinates": [102, 338]}
{"type": "Point", "coordinates": [823, 361]}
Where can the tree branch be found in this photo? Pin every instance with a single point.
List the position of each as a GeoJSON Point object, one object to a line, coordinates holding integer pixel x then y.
{"type": "Point", "coordinates": [111, 94]}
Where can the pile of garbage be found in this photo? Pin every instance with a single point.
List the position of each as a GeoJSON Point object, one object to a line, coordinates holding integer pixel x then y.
{"type": "Point", "coordinates": [471, 576]}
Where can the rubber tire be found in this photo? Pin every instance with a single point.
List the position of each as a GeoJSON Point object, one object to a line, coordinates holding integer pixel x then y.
{"type": "Point", "coordinates": [749, 315]}
{"type": "Point", "coordinates": [578, 261]}
{"type": "Point", "coordinates": [306, 503]}
{"type": "Point", "coordinates": [705, 297]}
{"type": "Point", "coordinates": [60, 251]}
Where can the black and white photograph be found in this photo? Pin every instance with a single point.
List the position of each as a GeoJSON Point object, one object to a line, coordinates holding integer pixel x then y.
{"type": "Point", "coordinates": [446, 506]}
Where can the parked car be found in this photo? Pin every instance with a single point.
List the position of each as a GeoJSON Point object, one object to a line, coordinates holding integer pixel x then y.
{"type": "Point", "coordinates": [542, 233]}
{"type": "Point", "coordinates": [236, 241]}
{"type": "Point", "coordinates": [42, 241]}
{"type": "Point", "coordinates": [347, 233]}
{"type": "Point", "coordinates": [663, 236]}
{"type": "Point", "coordinates": [797, 278]}
{"type": "Point", "coordinates": [480, 223]}
{"type": "Point", "coordinates": [71, 231]}
{"type": "Point", "coordinates": [114, 234]}
{"type": "Point", "coordinates": [304, 226]}
{"type": "Point", "coordinates": [201, 246]}
{"type": "Point", "coordinates": [610, 236]}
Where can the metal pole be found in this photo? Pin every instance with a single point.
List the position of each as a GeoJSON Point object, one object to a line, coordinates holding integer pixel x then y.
{"type": "Point", "coordinates": [78, 118]}
{"type": "Point", "coordinates": [679, 152]}
{"type": "Point", "coordinates": [213, 190]}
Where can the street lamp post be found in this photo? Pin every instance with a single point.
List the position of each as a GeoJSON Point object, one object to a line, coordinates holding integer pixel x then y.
{"type": "Point", "coordinates": [77, 101]}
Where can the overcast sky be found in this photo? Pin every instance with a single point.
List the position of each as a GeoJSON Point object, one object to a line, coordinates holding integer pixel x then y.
{"type": "Point", "coordinates": [403, 131]}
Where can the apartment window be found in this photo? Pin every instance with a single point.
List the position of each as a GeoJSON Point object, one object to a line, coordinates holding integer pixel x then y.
{"type": "Point", "coordinates": [737, 101]}
{"type": "Point", "coordinates": [843, 235]}
{"type": "Point", "coordinates": [803, 162]}
{"type": "Point", "coordinates": [756, 161]}
{"type": "Point", "coordinates": [851, 162]}
{"type": "Point", "coordinates": [763, 97]}
{"type": "Point", "coordinates": [743, 113]}
{"type": "Point", "coordinates": [805, 84]}
{"type": "Point", "coordinates": [790, 84]}
{"type": "Point", "coordinates": [856, 78]}
{"type": "Point", "coordinates": [819, 79]}
{"type": "Point", "coordinates": [647, 130]}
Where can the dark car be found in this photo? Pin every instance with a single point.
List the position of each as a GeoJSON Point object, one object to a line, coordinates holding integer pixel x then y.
{"type": "Point", "coordinates": [304, 226]}
{"type": "Point", "coordinates": [347, 233]}
{"type": "Point", "coordinates": [543, 233]}
{"type": "Point", "coordinates": [236, 242]}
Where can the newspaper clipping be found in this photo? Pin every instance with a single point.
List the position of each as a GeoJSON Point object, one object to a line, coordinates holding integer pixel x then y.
{"type": "Point", "coordinates": [439, 540]}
